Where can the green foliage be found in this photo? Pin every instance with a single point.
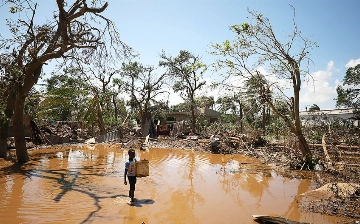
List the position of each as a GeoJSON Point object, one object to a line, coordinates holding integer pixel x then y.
{"type": "Point", "coordinates": [226, 45]}
{"type": "Point", "coordinates": [187, 71]}
{"type": "Point", "coordinates": [276, 127]}
{"type": "Point", "coordinates": [242, 28]}
{"type": "Point", "coordinates": [32, 103]}
{"type": "Point", "coordinates": [159, 109]}
{"type": "Point", "coordinates": [226, 103]}
{"type": "Point", "coordinates": [65, 98]}
{"type": "Point", "coordinates": [181, 107]}
{"type": "Point", "coordinates": [145, 88]}
{"type": "Point", "coordinates": [352, 76]}
{"type": "Point", "coordinates": [205, 101]}
{"type": "Point", "coordinates": [258, 58]}
{"type": "Point", "coordinates": [220, 127]}
{"type": "Point", "coordinates": [349, 92]}
{"type": "Point", "coordinates": [229, 118]}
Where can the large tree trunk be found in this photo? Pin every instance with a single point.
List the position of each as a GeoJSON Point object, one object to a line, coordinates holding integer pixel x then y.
{"type": "Point", "coordinates": [18, 122]}
{"type": "Point", "coordinates": [31, 78]}
{"type": "Point", "coordinates": [146, 118]}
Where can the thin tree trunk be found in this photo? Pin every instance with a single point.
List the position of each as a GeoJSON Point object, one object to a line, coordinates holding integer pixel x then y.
{"type": "Point", "coordinates": [263, 119]}
{"type": "Point", "coordinates": [193, 121]}
{"type": "Point", "coordinates": [142, 123]}
{"type": "Point", "coordinates": [304, 146]}
{"type": "Point", "coordinates": [115, 108]}
{"type": "Point", "coordinates": [241, 118]}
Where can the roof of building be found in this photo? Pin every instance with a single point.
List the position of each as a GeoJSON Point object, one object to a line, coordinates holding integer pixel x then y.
{"type": "Point", "coordinates": [205, 111]}
{"type": "Point", "coordinates": [342, 113]}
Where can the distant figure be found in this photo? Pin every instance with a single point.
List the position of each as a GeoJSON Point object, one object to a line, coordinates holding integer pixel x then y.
{"type": "Point", "coordinates": [130, 172]}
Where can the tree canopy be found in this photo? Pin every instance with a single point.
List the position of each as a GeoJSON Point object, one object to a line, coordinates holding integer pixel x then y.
{"type": "Point", "coordinates": [187, 71]}
{"type": "Point", "coordinates": [143, 86]}
{"type": "Point", "coordinates": [258, 52]}
{"type": "Point", "coordinates": [348, 94]}
{"type": "Point", "coordinates": [76, 32]}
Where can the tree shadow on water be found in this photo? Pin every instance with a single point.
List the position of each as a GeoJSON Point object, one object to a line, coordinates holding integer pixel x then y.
{"type": "Point", "coordinates": [67, 181]}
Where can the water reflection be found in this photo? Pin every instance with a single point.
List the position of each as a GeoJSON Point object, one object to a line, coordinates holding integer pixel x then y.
{"type": "Point", "coordinates": [84, 184]}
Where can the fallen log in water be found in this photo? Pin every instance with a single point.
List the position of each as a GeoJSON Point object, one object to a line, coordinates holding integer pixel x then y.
{"type": "Point", "coordinates": [266, 219]}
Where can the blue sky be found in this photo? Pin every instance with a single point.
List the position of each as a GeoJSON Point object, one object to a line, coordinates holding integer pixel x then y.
{"type": "Point", "coordinates": [150, 26]}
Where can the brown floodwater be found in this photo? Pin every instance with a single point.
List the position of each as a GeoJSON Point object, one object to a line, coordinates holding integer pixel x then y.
{"type": "Point", "coordinates": [84, 184]}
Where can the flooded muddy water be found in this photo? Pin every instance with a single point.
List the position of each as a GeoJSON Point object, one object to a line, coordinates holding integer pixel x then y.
{"type": "Point", "coordinates": [84, 184]}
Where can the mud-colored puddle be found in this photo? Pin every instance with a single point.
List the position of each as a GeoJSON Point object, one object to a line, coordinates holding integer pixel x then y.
{"type": "Point", "coordinates": [84, 184]}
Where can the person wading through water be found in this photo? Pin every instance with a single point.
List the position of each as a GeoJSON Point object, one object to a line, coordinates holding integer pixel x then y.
{"type": "Point", "coordinates": [130, 171]}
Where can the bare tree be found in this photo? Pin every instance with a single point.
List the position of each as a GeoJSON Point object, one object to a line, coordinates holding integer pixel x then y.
{"type": "Point", "coordinates": [257, 46]}
{"type": "Point", "coordinates": [74, 33]}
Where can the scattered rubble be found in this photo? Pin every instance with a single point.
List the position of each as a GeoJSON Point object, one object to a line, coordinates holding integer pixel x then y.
{"type": "Point", "coordinates": [333, 198]}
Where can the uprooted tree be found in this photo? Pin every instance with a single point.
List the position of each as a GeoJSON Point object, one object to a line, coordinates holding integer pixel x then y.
{"type": "Point", "coordinates": [258, 53]}
{"type": "Point", "coordinates": [76, 31]}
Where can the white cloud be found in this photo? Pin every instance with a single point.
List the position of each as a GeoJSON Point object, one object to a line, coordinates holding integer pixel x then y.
{"type": "Point", "coordinates": [353, 63]}
{"type": "Point", "coordinates": [174, 98]}
{"type": "Point", "coordinates": [337, 83]}
{"type": "Point", "coordinates": [318, 89]}
{"type": "Point", "coordinates": [330, 65]}
{"type": "Point", "coordinates": [235, 83]}
{"type": "Point", "coordinates": [282, 84]}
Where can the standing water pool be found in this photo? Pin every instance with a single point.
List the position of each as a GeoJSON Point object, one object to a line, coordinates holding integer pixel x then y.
{"type": "Point", "coordinates": [85, 184]}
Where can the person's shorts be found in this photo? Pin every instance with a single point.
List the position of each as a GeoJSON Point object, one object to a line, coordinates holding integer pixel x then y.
{"type": "Point", "coordinates": [132, 182]}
